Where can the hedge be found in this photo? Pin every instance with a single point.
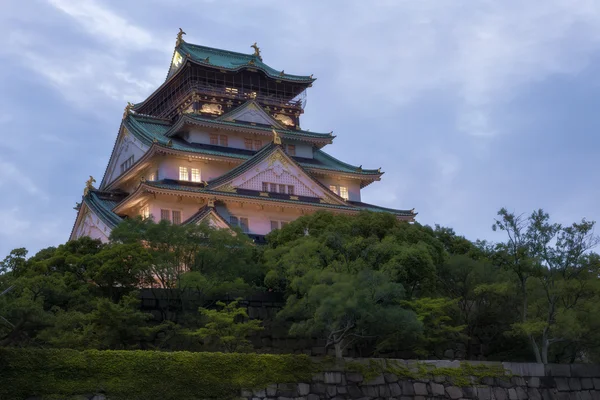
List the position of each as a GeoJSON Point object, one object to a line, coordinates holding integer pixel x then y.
{"type": "Point", "coordinates": [60, 373]}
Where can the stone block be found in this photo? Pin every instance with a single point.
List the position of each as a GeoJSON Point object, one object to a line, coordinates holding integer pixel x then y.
{"type": "Point", "coordinates": [524, 369]}
{"type": "Point", "coordinates": [407, 388]}
{"type": "Point", "coordinates": [260, 392]}
{"type": "Point", "coordinates": [419, 398]}
{"type": "Point", "coordinates": [390, 378]}
{"type": "Point", "coordinates": [354, 391]}
{"type": "Point", "coordinates": [246, 393]}
{"type": "Point", "coordinates": [378, 380]}
{"type": "Point", "coordinates": [558, 370]}
{"type": "Point", "coordinates": [585, 370]}
{"type": "Point", "coordinates": [99, 397]}
{"type": "Point", "coordinates": [331, 390]}
{"type": "Point", "coordinates": [575, 383]}
{"type": "Point", "coordinates": [563, 396]}
{"type": "Point", "coordinates": [333, 377]}
{"type": "Point", "coordinates": [354, 377]}
{"type": "Point", "coordinates": [319, 377]}
{"type": "Point", "coordinates": [512, 394]}
{"type": "Point", "coordinates": [312, 397]}
{"type": "Point", "coordinates": [587, 383]}
{"type": "Point", "coordinates": [484, 393]}
{"type": "Point", "coordinates": [420, 389]}
{"type": "Point", "coordinates": [500, 393]}
{"type": "Point", "coordinates": [287, 389]}
{"type": "Point", "coordinates": [584, 395]}
{"type": "Point", "coordinates": [595, 394]}
{"type": "Point", "coordinates": [487, 381]}
{"type": "Point", "coordinates": [518, 381]}
{"type": "Point", "coordinates": [318, 388]}
{"type": "Point", "coordinates": [454, 392]}
{"type": "Point", "coordinates": [548, 394]}
{"type": "Point", "coordinates": [534, 382]}
{"type": "Point", "coordinates": [504, 382]}
{"type": "Point", "coordinates": [534, 394]}
{"type": "Point", "coordinates": [395, 389]}
{"type": "Point", "coordinates": [521, 393]}
{"type": "Point", "coordinates": [596, 383]}
{"type": "Point", "coordinates": [384, 391]}
{"type": "Point", "coordinates": [562, 384]}
{"type": "Point", "coordinates": [436, 389]}
{"type": "Point", "coordinates": [342, 389]}
{"type": "Point", "coordinates": [272, 390]}
{"type": "Point", "coordinates": [370, 391]}
{"type": "Point", "coordinates": [469, 392]}
{"type": "Point", "coordinates": [303, 389]}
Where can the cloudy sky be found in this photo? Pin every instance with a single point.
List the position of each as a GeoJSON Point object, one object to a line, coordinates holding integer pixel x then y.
{"type": "Point", "coordinates": [468, 106]}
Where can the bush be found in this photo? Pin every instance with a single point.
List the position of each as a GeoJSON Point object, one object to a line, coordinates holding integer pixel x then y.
{"type": "Point", "coordinates": [131, 375]}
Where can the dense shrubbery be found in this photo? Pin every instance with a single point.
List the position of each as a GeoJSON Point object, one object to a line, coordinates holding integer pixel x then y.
{"type": "Point", "coordinates": [132, 375]}
{"type": "Point", "coordinates": [402, 287]}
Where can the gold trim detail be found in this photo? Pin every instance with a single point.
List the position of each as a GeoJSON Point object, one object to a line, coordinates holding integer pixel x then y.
{"type": "Point", "coordinates": [89, 185]}
{"type": "Point", "coordinates": [228, 188]}
{"type": "Point", "coordinates": [180, 37]}
{"type": "Point", "coordinates": [293, 197]}
{"type": "Point", "coordinates": [264, 194]}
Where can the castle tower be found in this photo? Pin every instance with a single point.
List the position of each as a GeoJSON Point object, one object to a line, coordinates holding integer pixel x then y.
{"type": "Point", "coordinates": [220, 141]}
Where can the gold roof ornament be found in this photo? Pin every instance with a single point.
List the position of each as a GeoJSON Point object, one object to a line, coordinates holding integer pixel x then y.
{"type": "Point", "coordinates": [207, 60]}
{"type": "Point", "coordinates": [128, 108]}
{"type": "Point", "coordinates": [89, 185]}
{"type": "Point", "coordinates": [412, 210]}
{"type": "Point", "coordinates": [379, 170]}
{"type": "Point", "coordinates": [180, 37]}
{"type": "Point", "coordinates": [170, 143]}
{"type": "Point", "coordinates": [256, 51]}
{"type": "Point", "coordinates": [276, 138]}
{"type": "Point", "coordinates": [211, 203]}
{"type": "Point", "coordinates": [311, 76]}
{"type": "Point", "coordinates": [282, 72]}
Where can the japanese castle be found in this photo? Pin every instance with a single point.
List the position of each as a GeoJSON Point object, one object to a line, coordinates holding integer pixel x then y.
{"type": "Point", "coordinates": [220, 141]}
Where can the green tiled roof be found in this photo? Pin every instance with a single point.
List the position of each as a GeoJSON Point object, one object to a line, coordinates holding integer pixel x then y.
{"type": "Point", "coordinates": [147, 129]}
{"type": "Point", "coordinates": [232, 61]}
{"type": "Point", "coordinates": [352, 206]}
{"type": "Point", "coordinates": [102, 206]}
{"type": "Point", "coordinates": [203, 212]}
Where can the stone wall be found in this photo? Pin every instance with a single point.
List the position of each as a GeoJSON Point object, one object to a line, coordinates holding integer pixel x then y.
{"type": "Point", "coordinates": [517, 382]}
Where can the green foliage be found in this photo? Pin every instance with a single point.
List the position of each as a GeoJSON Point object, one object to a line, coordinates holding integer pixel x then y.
{"type": "Point", "coordinates": [344, 308]}
{"type": "Point", "coordinates": [229, 327]}
{"type": "Point", "coordinates": [133, 375]}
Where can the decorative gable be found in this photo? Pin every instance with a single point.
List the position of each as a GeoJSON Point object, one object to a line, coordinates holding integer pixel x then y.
{"type": "Point", "coordinates": [253, 113]}
{"type": "Point", "coordinates": [278, 169]}
{"type": "Point", "coordinates": [126, 148]}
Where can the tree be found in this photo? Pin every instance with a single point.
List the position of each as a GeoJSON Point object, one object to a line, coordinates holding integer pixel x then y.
{"type": "Point", "coordinates": [344, 308]}
{"type": "Point", "coordinates": [557, 258]}
{"type": "Point", "coordinates": [229, 327]}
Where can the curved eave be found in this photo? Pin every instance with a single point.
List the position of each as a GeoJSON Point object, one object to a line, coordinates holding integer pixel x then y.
{"type": "Point", "coordinates": [185, 119]}
{"type": "Point", "coordinates": [193, 192]}
{"type": "Point", "coordinates": [257, 65]}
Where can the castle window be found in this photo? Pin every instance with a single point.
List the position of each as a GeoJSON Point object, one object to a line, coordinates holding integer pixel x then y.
{"type": "Point", "coordinates": [257, 144]}
{"type": "Point", "coordinates": [125, 165]}
{"type": "Point", "coordinates": [176, 217]}
{"type": "Point", "coordinates": [230, 90]}
{"type": "Point", "coordinates": [278, 225]}
{"type": "Point", "coordinates": [291, 149]}
{"type": "Point", "coordinates": [277, 188]}
{"type": "Point", "coordinates": [223, 140]}
{"type": "Point", "coordinates": [195, 175]}
{"type": "Point", "coordinates": [214, 139]}
{"type": "Point", "coordinates": [183, 174]}
{"type": "Point", "coordinates": [341, 191]}
{"type": "Point", "coordinates": [344, 192]}
{"type": "Point", "coordinates": [145, 212]}
{"type": "Point", "coordinates": [248, 144]}
{"type": "Point", "coordinates": [173, 216]}
{"type": "Point", "coordinates": [242, 222]}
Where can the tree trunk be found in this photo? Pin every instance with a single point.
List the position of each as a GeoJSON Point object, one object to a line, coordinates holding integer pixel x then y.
{"type": "Point", "coordinates": [339, 349]}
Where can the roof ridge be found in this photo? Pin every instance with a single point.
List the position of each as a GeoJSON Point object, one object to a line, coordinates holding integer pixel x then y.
{"type": "Point", "coordinates": [349, 166]}
{"type": "Point", "coordinates": [216, 50]}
